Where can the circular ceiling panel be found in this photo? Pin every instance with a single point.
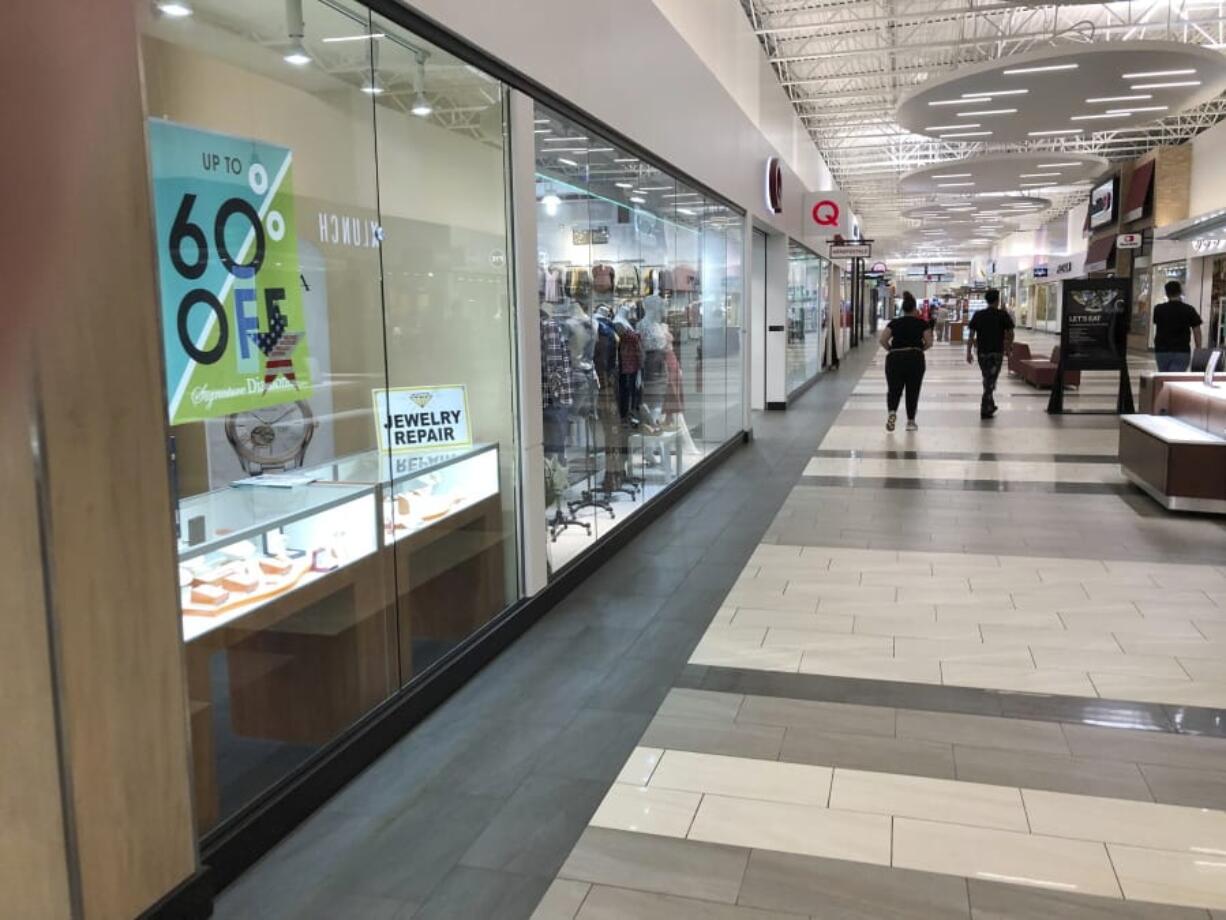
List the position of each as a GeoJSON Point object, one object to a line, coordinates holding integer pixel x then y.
{"type": "Point", "coordinates": [1004, 172]}
{"type": "Point", "coordinates": [987, 211]}
{"type": "Point", "coordinates": [1066, 92]}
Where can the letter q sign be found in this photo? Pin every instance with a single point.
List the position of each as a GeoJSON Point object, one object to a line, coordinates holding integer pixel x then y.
{"type": "Point", "coordinates": [826, 213]}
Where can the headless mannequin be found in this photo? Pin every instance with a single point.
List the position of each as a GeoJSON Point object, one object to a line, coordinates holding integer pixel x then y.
{"type": "Point", "coordinates": [654, 334]}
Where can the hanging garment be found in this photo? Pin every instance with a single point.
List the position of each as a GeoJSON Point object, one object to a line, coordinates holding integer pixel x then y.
{"type": "Point", "coordinates": [556, 389]}
{"type": "Point", "coordinates": [629, 350]}
{"type": "Point", "coordinates": [674, 395]}
{"type": "Point", "coordinates": [603, 277]}
{"type": "Point", "coordinates": [626, 279]}
{"type": "Point", "coordinates": [685, 279]}
{"type": "Point", "coordinates": [553, 285]}
{"type": "Point", "coordinates": [578, 283]}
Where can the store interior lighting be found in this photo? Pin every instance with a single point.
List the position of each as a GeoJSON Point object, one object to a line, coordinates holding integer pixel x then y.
{"type": "Point", "coordinates": [295, 30]}
{"type": "Point", "coordinates": [421, 105]}
{"type": "Point", "coordinates": [175, 9]}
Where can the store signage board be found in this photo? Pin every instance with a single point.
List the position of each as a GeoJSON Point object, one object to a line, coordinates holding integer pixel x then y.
{"type": "Point", "coordinates": [1128, 241]}
{"type": "Point", "coordinates": [774, 185]}
{"type": "Point", "coordinates": [410, 419]}
{"type": "Point", "coordinates": [827, 215]}
{"type": "Point", "coordinates": [1040, 271]}
{"type": "Point", "coordinates": [233, 327]}
{"type": "Point", "coordinates": [1103, 203]}
{"type": "Point", "coordinates": [1208, 246]}
{"type": "Point", "coordinates": [1094, 327]}
{"type": "Point", "coordinates": [851, 250]}
{"type": "Point", "coordinates": [590, 236]}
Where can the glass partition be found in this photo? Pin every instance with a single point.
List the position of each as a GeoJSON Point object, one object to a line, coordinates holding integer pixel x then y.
{"type": "Point", "coordinates": [330, 204]}
{"type": "Point", "coordinates": [634, 294]}
{"type": "Point", "coordinates": [807, 311]}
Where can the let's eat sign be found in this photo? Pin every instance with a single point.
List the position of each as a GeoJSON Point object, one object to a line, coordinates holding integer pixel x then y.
{"type": "Point", "coordinates": [422, 418]}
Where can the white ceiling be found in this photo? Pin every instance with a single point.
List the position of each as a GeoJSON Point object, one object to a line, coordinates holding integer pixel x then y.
{"type": "Point", "coordinates": [1004, 172]}
{"type": "Point", "coordinates": [847, 64]}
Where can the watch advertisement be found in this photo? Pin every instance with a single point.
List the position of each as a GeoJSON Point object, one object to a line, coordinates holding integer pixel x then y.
{"type": "Point", "coordinates": [1094, 333]}
{"type": "Point", "coordinates": [233, 327]}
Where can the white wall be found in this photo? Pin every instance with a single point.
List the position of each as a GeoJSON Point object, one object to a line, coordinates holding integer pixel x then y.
{"type": "Point", "coordinates": [1208, 187]}
{"type": "Point", "coordinates": [627, 65]}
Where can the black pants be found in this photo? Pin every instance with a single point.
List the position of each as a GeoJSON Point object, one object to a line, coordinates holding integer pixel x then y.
{"type": "Point", "coordinates": [904, 370]}
{"type": "Point", "coordinates": [1176, 361]}
{"type": "Point", "coordinates": [989, 366]}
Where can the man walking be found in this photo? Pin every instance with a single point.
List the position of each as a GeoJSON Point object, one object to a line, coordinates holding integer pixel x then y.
{"type": "Point", "coordinates": [992, 330]}
{"type": "Point", "coordinates": [1175, 323]}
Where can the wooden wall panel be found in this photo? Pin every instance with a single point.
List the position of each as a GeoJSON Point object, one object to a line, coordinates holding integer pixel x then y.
{"type": "Point", "coordinates": [83, 260]}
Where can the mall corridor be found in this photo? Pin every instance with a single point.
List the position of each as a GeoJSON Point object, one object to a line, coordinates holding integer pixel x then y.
{"type": "Point", "coordinates": [961, 672]}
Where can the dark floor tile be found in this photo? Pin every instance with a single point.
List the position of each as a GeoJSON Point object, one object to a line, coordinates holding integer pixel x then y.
{"type": "Point", "coordinates": [696, 604]}
{"type": "Point", "coordinates": [636, 685]}
{"type": "Point", "coordinates": [668, 639]}
{"type": "Point", "coordinates": [714, 737]}
{"type": "Point", "coordinates": [468, 893]}
{"type": "Point", "coordinates": [594, 746]}
{"type": "Point", "coordinates": [1111, 713]}
{"type": "Point", "coordinates": [664, 865]}
{"type": "Point", "coordinates": [838, 890]}
{"type": "Point", "coordinates": [1053, 772]}
{"type": "Point", "coordinates": [1147, 747]}
{"type": "Point", "coordinates": [982, 731]}
{"type": "Point", "coordinates": [867, 752]}
{"type": "Point", "coordinates": [535, 830]}
{"type": "Point", "coordinates": [820, 716]}
{"type": "Point", "coordinates": [1185, 786]}
{"type": "Point", "coordinates": [995, 901]}
{"type": "Point", "coordinates": [497, 759]}
{"type": "Point", "coordinates": [605, 903]}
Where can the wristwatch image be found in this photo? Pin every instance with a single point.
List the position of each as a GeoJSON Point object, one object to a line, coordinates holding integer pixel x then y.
{"type": "Point", "coordinates": [273, 439]}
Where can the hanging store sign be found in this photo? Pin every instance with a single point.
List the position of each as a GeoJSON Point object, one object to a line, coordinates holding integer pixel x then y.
{"type": "Point", "coordinates": [1208, 246]}
{"type": "Point", "coordinates": [774, 186]}
{"type": "Point", "coordinates": [1128, 241]}
{"type": "Point", "coordinates": [851, 250]}
{"type": "Point", "coordinates": [1040, 271]}
{"type": "Point", "coordinates": [827, 216]}
{"type": "Point", "coordinates": [422, 418]}
{"type": "Point", "coordinates": [233, 328]}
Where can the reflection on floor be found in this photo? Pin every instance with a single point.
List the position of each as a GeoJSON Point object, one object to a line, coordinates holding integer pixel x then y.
{"type": "Point", "coordinates": [968, 672]}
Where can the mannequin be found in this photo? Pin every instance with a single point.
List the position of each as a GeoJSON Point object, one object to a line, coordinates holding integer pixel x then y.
{"type": "Point", "coordinates": [655, 339]}
{"type": "Point", "coordinates": [630, 363]}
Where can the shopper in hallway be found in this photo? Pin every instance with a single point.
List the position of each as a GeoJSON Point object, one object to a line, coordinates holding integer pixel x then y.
{"type": "Point", "coordinates": [1175, 325]}
{"type": "Point", "coordinates": [906, 338]}
{"type": "Point", "coordinates": [941, 315]}
{"type": "Point", "coordinates": [991, 329]}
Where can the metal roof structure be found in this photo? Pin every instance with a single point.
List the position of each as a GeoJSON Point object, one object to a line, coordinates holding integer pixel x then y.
{"type": "Point", "coordinates": [846, 65]}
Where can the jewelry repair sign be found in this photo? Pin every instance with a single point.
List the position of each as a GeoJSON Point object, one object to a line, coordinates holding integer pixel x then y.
{"type": "Point", "coordinates": [422, 418]}
{"type": "Point", "coordinates": [233, 327]}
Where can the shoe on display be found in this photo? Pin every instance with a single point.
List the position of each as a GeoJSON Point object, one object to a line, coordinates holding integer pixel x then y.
{"type": "Point", "coordinates": [891, 421]}
{"type": "Point", "coordinates": [911, 425]}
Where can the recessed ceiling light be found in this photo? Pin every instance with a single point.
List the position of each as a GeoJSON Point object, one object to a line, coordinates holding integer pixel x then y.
{"type": "Point", "coordinates": [1035, 184]}
{"type": "Point", "coordinates": [949, 102]}
{"type": "Point", "coordinates": [625, 159]}
{"type": "Point", "coordinates": [1044, 68]}
{"type": "Point", "coordinates": [1166, 85]}
{"type": "Point", "coordinates": [565, 140]}
{"type": "Point", "coordinates": [353, 38]}
{"type": "Point", "coordinates": [987, 112]}
{"type": "Point", "coordinates": [1042, 175]}
{"type": "Point", "coordinates": [1056, 165]}
{"type": "Point", "coordinates": [954, 185]}
{"type": "Point", "coordinates": [1139, 97]}
{"type": "Point", "coordinates": [1052, 133]}
{"type": "Point", "coordinates": [952, 176]}
{"type": "Point", "coordinates": [567, 162]}
{"type": "Point", "coordinates": [541, 131]}
{"type": "Point", "coordinates": [623, 185]}
{"type": "Point", "coordinates": [967, 134]}
{"type": "Point", "coordinates": [1159, 73]}
{"type": "Point", "coordinates": [1099, 117]}
{"type": "Point", "coordinates": [177, 9]}
{"type": "Point", "coordinates": [685, 211]}
{"type": "Point", "coordinates": [655, 188]}
{"type": "Point", "coordinates": [540, 121]}
{"type": "Point", "coordinates": [997, 92]}
{"type": "Point", "coordinates": [297, 55]}
{"type": "Point", "coordinates": [951, 127]}
{"type": "Point", "coordinates": [1140, 108]}
{"type": "Point", "coordinates": [637, 200]}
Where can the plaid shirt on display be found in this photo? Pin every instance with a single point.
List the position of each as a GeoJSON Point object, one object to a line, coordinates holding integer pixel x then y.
{"type": "Point", "coordinates": [555, 365]}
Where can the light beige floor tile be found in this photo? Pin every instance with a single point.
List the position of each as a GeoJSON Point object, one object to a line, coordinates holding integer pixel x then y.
{"type": "Point", "coordinates": [770, 600]}
{"type": "Point", "coordinates": [723, 616]}
{"type": "Point", "coordinates": [1205, 669]}
{"type": "Point", "coordinates": [1123, 625]}
{"type": "Point", "coordinates": [848, 554]}
{"type": "Point", "coordinates": [802, 829]}
{"type": "Point", "coordinates": [639, 766]}
{"type": "Point", "coordinates": [1206, 577]}
{"type": "Point", "coordinates": [1162, 610]}
{"type": "Point", "coordinates": [1052, 597]}
{"type": "Point", "coordinates": [910, 568]}
{"type": "Point", "coordinates": [756, 618]}
{"type": "Point", "coordinates": [1004, 856]}
{"type": "Point", "coordinates": [1001, 617]}
{"type": "Point", "coordinates": [1213, 630]}
{"type": "Point", "coordinates": [941, 594]}
{"type": "Point", "coordinates": [726, 655]}
{"type": "Point", "coordinates": [830, 643]}
{"type": "Point", "coordinates": [912, 670]}
{"type": "Point", "coordinates": [1026, 680]}
{"type": "Point", "coordinates": [801, 575]}
{"type": "Point", "coordinates": [1179, 648]}
{"type": "Point", "coordinates": [774, 552]}
{"type": "Point", "coordinates": [944, 563]}
{"type": "Point", "coordinates": [963, 650]}
{"type": "Point", "coordinates": [773, 583]}
{"type": "Point", "coordinates": [879, 594]}
{"type": "Point", "coordinates": [1052, 563]}
{"type": "Point", "coordinates": [918, 629]}
{"type": "Point", "coordinates": [645, 810]}
{"type": "Point", "coordinates": [1044, 637]}
{"type": "Point", "coordinates": [1012, 578]}
{"type": "Point", "coordinates": [908, 582]}
{"type": "Point", "coordinates": [743, 777]}
{"type": "Point", "coordinates": [974, 804]}
{"type": "Point", "coordinates": [1143, 824]}
{"type": "Point", "coordinates": [1189, 879]}
{"type": "Point", "coordinates": [1093, 574]}
{"type": "Point", "coordinates": [1160, 690]}
{"type": "Point", "coordinates": [1106, 591]}
{"type": "Point", "coordinates": [1109, 662]}
{"type": "Point", "coordinates": [902, 611]}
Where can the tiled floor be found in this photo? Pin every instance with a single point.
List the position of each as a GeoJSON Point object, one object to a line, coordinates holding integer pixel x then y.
{"type": "Point", "coordinates": [968, 672]}
{"type": "Point", "coordinates": [965, 672]}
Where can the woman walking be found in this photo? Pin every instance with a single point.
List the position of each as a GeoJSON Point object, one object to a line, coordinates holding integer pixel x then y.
{"type": "Point", "coordinates": [906, 338]}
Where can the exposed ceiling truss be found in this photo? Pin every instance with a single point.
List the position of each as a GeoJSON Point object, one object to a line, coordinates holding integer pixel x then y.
{"type": "Point", "coordinates": [846, 64]}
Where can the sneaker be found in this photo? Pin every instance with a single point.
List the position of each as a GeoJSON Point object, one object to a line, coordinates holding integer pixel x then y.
{"type": "Point", "coordinates": [891, 421]}
{"type": "Point", "coordinates": [989, 414]}
{"type": "Point", "coordinates": [911, 426]}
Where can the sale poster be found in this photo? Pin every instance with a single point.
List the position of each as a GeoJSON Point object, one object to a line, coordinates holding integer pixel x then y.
{"type": "Point", "coordinates": [233, 325]}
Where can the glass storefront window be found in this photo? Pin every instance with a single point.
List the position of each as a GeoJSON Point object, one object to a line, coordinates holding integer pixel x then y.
{"type": "Point", "coordinates": [633, 283]}
{"type": "Point", "coordinates": [807, 315]}
{"type": "Point", "coordinates": [332, 242]}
